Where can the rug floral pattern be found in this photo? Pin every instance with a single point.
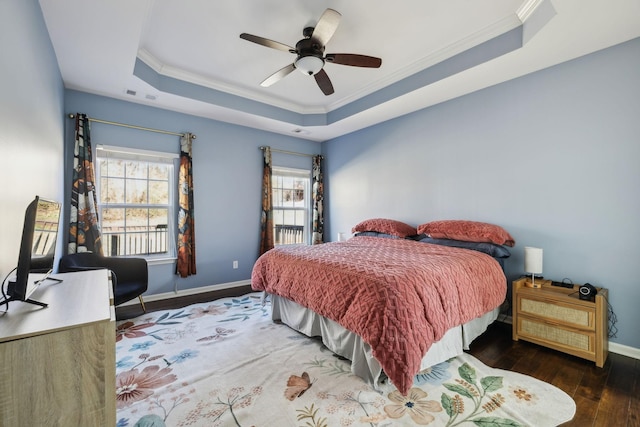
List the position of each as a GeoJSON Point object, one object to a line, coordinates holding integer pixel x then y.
{"type": "Point", "coordinates": [225, 363]}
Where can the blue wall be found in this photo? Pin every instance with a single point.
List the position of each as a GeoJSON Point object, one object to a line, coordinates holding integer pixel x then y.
{"type": "Point", "coordinates": [554, 157]}
{"type": "Point", "coordinates": [227, 166]}
{"type": "Point", "coordinates": [31, 126]}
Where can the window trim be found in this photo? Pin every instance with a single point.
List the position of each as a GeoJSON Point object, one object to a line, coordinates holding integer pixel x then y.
{"type": "Point", "coordinates": [135, 154]}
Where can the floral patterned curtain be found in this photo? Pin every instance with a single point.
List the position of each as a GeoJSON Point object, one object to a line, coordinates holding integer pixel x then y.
{"type": "Point", "coordinates": [266, 219]}
{"type": "Point", "coordinates": [318, 201]}
{"type": "Point", "coordinates": [186, 264]}
{"type": "Point", "coordinates": [84, 229]}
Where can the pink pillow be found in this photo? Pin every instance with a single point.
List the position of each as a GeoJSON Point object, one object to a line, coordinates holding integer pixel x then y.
{"type": "Point", "coordinates": [468, 231]}
{"type": "Point", "coordinates": [386, 226]}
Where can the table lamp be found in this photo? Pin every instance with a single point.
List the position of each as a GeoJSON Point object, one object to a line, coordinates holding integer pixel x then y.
{"type": "Point", "coordinates": [533, 264]}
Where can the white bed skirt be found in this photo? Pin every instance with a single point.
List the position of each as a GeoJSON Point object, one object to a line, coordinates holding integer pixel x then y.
{"type": "Point", "coordinates": [349, 345]}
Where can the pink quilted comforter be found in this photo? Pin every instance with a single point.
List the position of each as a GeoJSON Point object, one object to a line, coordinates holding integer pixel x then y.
{"type": "Point", "coordinates": [400, 296]}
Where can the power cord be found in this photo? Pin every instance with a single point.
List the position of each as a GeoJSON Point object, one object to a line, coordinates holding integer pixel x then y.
{"type": "Point", "coordinates": [612, 331]}
{"type": "Point", "coordinates": [5, 298]}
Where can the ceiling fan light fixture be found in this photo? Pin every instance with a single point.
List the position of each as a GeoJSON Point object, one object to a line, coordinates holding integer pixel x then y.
{"type": "Point", "coordinates": [309, 65]}
{"type": "Point", "coordinates": [310, 50]}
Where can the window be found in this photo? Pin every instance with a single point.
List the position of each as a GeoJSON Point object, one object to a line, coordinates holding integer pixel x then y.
{"type": "Point", "coordinates": [135, 202]}
{"type": "Point", "coordinates": [291, 202]}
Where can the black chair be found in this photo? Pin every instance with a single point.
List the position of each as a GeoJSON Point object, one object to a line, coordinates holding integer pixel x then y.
{"type": "Point", "coordinates": [128, 275]}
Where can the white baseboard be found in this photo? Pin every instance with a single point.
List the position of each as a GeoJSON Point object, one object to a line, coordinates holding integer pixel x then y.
{"type": "Point", "coordinates": [621, 349]}
{"type": "Point", "coordinates": [187, 292]}
{"type": "Point", "coordinates": [624, 350]}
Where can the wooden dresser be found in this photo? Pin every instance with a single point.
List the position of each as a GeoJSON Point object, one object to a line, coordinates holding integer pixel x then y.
{"type": "Point", "coordinates": [57, 364]}
{"type": "Point", "coordinates": [557, 318]}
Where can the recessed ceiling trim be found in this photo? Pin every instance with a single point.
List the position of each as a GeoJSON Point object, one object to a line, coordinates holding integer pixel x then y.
{"type": "Point", "coordinates": [355, 101]}
{"type": "Point", "coordinates": [180, 74]}
{"type": "Point", "coordinates": [469, 58]}
{"type": "Point", "coordinates": [528, 8]}
{"type": "Point", "coordinates": [489, 32]}
{"type": "Point", "coordinates": [484, 52]}
{"type": "Point", "coordinates": [223, 99]}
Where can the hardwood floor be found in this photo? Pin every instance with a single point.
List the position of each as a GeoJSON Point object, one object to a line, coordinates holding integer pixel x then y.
{"type": "Point", "coordinates": [134, 310]}
{"type": "Point", "coordinates": [608, 396]}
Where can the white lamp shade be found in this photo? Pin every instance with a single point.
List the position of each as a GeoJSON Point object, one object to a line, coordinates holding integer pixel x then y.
{"type": "Point", "coordinates": [532, 260]}
{"type": "Point", "coordinates": [309, 65]}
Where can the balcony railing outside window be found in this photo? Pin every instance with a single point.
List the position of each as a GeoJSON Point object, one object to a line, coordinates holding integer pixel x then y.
{"type": "Point", "coordinates": [288, 234]}
{"type": "Point", "coordinates": [44, 238]}
{"type": "Point", "coordinates": [136, 240]}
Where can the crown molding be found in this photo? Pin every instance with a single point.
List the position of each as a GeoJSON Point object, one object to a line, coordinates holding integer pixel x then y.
{"type": "Point", "coordinates": [197, 79]}
{"type": "Point", "coordinates": [527, 8]}
{"type": "Point", "coordinates": [487, 33]}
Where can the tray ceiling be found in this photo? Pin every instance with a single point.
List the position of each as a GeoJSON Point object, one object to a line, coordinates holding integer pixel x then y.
{"type": "Point", "coordinates": [187, 56]}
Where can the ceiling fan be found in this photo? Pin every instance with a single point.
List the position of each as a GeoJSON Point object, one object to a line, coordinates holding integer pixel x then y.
{"type": "Point", "coordinates": [310, 53]}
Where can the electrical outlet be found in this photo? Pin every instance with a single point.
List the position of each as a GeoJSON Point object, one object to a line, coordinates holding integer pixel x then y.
{"type": "Point", "coordinates": [235, 264]}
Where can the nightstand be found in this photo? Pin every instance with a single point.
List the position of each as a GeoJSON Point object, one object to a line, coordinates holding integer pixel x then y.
{"type": "Point", "coordinates": [557, 318]}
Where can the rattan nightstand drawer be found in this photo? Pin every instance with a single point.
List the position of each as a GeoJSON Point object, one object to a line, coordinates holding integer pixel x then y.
{"type": "Point", "coordinates": [543, 333]}
{"type": "Point", "coordinates": [554, 311]}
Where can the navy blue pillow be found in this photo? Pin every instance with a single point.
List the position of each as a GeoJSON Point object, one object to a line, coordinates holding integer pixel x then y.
{"type": "Point", "coordinates": [496, 251]}
{"type": "Point", "coordinates": [376, 234]}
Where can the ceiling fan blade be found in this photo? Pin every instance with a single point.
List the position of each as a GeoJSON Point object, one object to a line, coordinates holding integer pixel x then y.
{"type": "Point", "coordinates": [277, 75]}
{"type": "Point", "coordinates": [354, 60]}
{"type": "Point", "coordinates": [324, 82]}
{"type": "Point", "coordinates": [326, 26]}
{"type": "Point", "coordinates": [266, 42]}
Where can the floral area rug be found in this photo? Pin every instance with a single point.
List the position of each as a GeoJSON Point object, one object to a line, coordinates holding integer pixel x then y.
{"type": "Point", "coordinates": [226, 363]}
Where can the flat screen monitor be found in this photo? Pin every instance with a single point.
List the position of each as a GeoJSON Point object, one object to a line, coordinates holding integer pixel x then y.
{"type": "Point", "coordinates": [37, 249]}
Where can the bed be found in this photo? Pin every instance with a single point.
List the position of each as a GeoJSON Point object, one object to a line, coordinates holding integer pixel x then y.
{"type": "Point", "coordinates": [393, 306]}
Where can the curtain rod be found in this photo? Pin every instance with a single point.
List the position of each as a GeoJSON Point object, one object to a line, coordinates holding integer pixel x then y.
{"type": "Point", "coordinates": [106, 122]}
{"type": "Point", "coordinates": [293, 153]}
